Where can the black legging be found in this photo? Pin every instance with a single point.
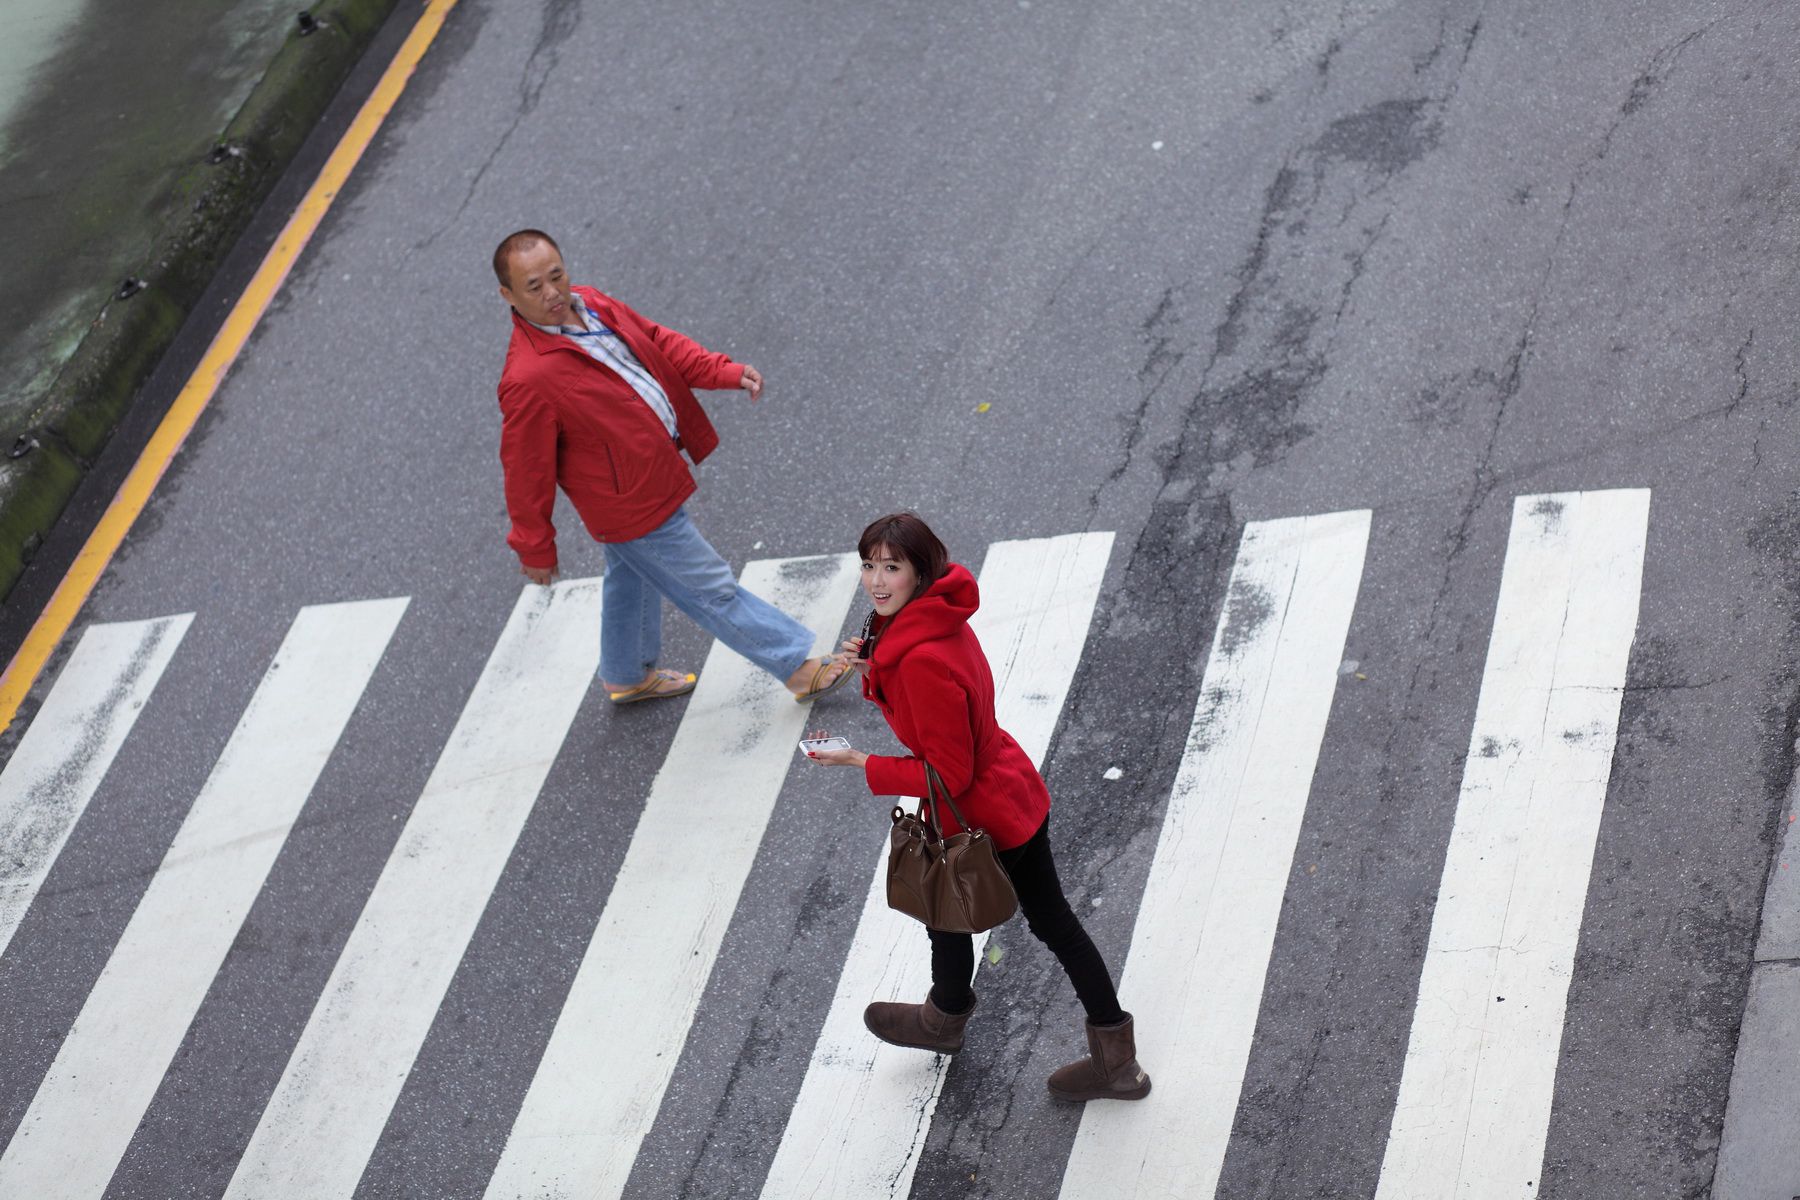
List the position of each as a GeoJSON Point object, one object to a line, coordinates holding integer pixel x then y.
{"type": "Point", "coordinates": [1047, 912]}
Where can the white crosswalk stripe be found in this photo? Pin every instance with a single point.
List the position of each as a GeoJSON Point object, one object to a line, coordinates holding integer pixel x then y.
{"type": "Point", "coordinates": [322, 1123]}
{"type": "Point", "coordinates": [108, 1068]}
{"type": "Point", "coordinates": [72, 741]}
{"type": "Point", "coordinates": [1475, 1091]}
{"type": "Point", "coordinates": [596, 1093]}
{"type": "Point", "coordinates": [1474, 1103]}
{"type": "Point", "coordinates": [1206, 926]}
{"type": "Point", "coordinates": [860, 1121]}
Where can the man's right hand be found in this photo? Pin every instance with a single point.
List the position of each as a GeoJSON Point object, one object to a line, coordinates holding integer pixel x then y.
{"type": "Point", "coordinates": [540, 575]}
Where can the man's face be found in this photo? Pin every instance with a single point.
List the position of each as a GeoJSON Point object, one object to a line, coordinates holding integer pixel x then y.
{"type": "Point", "coordinates": [540, 286]}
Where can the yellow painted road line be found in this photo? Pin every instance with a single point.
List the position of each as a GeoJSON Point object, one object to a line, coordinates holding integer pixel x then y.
{"type": "Point", "coordinates": [167, 441]}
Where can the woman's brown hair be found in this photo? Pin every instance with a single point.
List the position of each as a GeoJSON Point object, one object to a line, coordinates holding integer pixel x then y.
{"type": "Point", "coordinates": [908, 537]}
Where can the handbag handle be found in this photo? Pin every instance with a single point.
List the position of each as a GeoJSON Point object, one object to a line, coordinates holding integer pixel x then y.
{"type": "Point", "coordinates": [934, 784]}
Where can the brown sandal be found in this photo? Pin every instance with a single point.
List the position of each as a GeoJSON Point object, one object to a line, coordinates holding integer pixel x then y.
{"type": "Point", "coordinates": [661, 685]}
{"type": "Point", "coordinates": [815, 688]}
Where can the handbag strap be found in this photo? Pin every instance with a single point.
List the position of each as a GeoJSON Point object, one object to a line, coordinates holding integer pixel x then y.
{"type": "Point", "coordinates": [934, 784]}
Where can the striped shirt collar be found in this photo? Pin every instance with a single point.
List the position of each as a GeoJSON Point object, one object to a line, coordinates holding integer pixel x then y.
{"type": "Point", "coordinates": [604, 345]}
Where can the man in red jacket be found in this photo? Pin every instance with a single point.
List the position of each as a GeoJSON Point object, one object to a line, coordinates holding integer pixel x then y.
{"type": "Point", "coordinates": [599, 401]}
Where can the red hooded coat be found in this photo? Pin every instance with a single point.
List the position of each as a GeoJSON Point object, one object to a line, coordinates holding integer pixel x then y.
{"type": "Point", "coordinates": [932, 682]}
{"type": "Point", "coordinates": [567, 420]}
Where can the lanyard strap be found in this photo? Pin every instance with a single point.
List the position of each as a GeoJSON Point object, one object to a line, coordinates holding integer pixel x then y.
{"type": "Point", "coordinates": [622, 359]}
{"type": "Point", "coordinates": [583, 311]}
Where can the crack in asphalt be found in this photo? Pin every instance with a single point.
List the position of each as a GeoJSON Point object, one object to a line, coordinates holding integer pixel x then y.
{"type": "Point", "coordinates": [560, 19]}
{"type": "Point", "coordinates": [1160, 361]}
{"type": "Point", "coordinates": [1357, 258]}
{"type": "Point", "coordinates": [1423, 63]}
{"type": "Point", "coordinates": [1251, 375]}
{"type": "Point", "coordinates": [1671, 687]}
{"type": "Point", "coordinates": [1507, 382]}
{"type": "Point", "coordinates": [1643, 88]}
{"type": "Point", "coordinates": [1267, 333]}
{"type": "Point", "coordinates": [1469, 40]}
{"type": "Point", "coordinates": [775, 1005]}
{"type": "Point", "coordinates": [1376, 144]}
{"type": "Point", "coordinates": [1741, 371]}
{"type": "Point", "coordinates": [1263, 359]}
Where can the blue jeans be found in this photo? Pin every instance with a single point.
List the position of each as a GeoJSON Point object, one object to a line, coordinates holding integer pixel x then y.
{"type": "Point", "coordinates": [673, 560]}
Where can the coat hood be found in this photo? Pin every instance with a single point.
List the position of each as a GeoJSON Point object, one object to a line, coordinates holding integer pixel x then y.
{"type": "Point", "coordinates": [941, 612]}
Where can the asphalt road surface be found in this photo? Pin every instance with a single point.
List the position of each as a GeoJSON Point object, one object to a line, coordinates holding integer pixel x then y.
{"type": "Point", "coordinates": [1368, 421]}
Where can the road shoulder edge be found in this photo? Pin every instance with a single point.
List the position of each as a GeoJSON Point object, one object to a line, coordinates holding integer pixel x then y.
{"type": "Point", "coordinates": [96, 388]}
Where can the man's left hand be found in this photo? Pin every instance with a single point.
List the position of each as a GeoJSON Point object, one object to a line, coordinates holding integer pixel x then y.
{"type": "Point", "coordinates": [752, 382]}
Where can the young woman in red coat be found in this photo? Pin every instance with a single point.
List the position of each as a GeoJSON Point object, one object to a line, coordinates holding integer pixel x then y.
{"type": "Point", "coordinates": [924, 669]}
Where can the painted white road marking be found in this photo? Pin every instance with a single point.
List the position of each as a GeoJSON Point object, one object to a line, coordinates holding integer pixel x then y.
{"type": "Point", "coordinates": [1206, 926]}
{"type": "Point", "coordinates": [328, 1110]}
{"type": "Point", "coordinates": [72, 741]}
{"type": "Point", "coordinates": [865, 1107]}
{"type": "Point", "coordinates": [107, 1070]}
{"type": "Point", "coordinates": [596, 1092]}
{"type": "Point", "coordinates": [1473, 1110]}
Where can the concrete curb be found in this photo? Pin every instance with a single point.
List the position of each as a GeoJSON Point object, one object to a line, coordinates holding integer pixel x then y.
{"type": "Point", "coordinates": [1762, 1107]}
{"type": "Point", "coordinates": [218, 197]}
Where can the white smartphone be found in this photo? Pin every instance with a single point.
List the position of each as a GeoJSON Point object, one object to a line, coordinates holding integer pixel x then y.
{"type": "Point", "coordinates": [809, 745]}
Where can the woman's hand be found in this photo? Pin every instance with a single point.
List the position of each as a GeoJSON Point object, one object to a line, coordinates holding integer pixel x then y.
{"type": "Point", "coordinates": [835, 758]}
{"type": "Point", "coordinates": [851, 652]}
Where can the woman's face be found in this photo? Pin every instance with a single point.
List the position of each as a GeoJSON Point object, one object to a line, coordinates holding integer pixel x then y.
{"type": "Point", "coordinates": [888, 581]}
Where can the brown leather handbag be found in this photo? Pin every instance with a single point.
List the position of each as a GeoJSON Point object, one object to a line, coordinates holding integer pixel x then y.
{"type": "Point", "coordinates": [954, 884]}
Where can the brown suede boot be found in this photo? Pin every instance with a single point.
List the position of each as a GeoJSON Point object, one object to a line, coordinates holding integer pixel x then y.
{"type": "Point", "coordinates": [1111, 1071]}
{"type": "Point", "coordinates": [918, 1026]}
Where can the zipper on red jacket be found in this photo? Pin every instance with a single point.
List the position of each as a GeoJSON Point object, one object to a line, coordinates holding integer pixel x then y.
{"type": "Point", "coordinates": [614, 467]}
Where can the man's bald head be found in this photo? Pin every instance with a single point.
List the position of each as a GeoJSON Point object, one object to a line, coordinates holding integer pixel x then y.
{"type": "Point", "coordinates": [534, 281]}
{"type": "Point", "coordinates": [512, 244]}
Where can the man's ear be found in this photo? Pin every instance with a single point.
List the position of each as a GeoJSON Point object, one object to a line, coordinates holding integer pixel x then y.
{"type": "Point", "coordinates": [506, 293]}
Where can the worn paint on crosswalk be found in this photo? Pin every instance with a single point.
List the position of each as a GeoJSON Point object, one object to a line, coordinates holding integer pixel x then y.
{"type": "Point", "coordinates": [73, 740]}
{"type": "Point", "coordinates": [595, 1095]}
{"type": "Point", "coordinates": [1474, 1104]}
{"type": "Point", "coordinates": [1205, 930]}
{"type": "Point", "coordinates": [1508, 914]}
{"type": "Point", "coordinates": [86, 1110]}
{"type": "Point", "coordinates": [321, 1125]}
